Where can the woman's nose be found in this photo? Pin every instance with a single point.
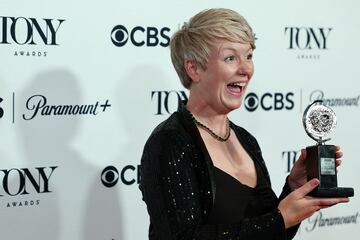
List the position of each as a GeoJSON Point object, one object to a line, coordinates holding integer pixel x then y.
{"type": "Point", "coordinates": [245, 67]}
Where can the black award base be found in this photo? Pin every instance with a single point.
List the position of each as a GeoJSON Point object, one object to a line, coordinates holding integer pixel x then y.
{"type": "Point", "coordinates": [320, 164]}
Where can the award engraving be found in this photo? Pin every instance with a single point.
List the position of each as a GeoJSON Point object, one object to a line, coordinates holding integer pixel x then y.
{"type": "Point", "coordinates": [319, 120]}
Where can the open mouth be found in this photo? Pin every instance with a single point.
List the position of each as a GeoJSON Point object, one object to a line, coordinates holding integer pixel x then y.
{"type": "Point", "coordinates": [236, 87]}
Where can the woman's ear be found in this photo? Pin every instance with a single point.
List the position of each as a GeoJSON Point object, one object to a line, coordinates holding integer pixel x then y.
{"type": "Point", "coordinates": [192, 70]}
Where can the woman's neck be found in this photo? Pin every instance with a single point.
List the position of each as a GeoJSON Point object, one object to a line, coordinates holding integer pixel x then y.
{"type": "Point", "coordinates": [207, 114]}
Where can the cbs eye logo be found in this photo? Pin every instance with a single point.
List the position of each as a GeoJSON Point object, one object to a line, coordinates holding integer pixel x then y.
{"type": "Point", "coordinates": [119, 35]}
{"type": "Point", "coordinates": [251, 102]}
{"type": "Point", "coordinates": [109, 176]}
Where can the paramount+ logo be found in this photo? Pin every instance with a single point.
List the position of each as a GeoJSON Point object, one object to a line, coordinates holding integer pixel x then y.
{"type": "Point", "coordinates": [140, 36]}
{"type": "Point", "coordinates": [38, 106]}
{"type": "Point", "coordinates": [276, 101]}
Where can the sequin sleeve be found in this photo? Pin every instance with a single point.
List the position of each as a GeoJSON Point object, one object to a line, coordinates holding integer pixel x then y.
{"type": "Point", "coordinates": [176, 199]}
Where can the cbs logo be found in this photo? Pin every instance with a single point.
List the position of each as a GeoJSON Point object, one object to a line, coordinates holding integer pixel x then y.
{"type": "Point", "coordinates": [128, 175]}
{"type": "Point", "coordinates": [109, 176]}
{"type": "Point", "coordinates": [140, 36]}
{"type": "Point", "coordinates": [269, 101]}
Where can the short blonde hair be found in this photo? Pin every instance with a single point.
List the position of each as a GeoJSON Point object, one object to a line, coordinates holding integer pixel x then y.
{"type": "Point", "coordinates": [193, 40]}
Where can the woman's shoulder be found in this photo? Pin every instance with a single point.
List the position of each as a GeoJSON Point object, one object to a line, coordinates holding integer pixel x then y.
{"type": "Point", "coordinates": [169, 131]}
{"type": "Point", "coordinates": [171, 141]}
{"type": "Point", "coordinates": [171, 125]}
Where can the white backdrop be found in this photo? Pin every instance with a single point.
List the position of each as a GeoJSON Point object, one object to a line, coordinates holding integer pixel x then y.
{"type": "Point", "coordinates": [66, 175]}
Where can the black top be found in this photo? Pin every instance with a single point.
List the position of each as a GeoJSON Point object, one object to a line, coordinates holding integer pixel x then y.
{"type": "Point", "coordinates": [178, 186]}
{"type": "Point", "coordinates": [235, 201]}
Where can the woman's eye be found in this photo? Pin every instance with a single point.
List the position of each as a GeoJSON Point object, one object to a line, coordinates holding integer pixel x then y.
{"type": "Point", "coordinates": [230, 58]}
{"type": "Point", "coordinates": [249, 56]}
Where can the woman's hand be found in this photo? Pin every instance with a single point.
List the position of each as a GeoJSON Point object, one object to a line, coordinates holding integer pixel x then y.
{"type": "Point", "coordinates": [298, 174]}
{"type": "Point", "coordinates": [297, 205]}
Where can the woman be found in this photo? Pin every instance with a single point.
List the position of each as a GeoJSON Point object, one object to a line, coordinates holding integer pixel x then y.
{"type": "Point", "coordinates": [202, 176]}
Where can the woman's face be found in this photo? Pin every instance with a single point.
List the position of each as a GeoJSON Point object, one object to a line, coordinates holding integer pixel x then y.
{"type": "Point", "coordinates": [229, 70]}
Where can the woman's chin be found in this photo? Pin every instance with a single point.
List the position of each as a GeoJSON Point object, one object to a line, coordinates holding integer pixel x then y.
{"type": "Point", "coordinates": [233, 101]}
{"type": "Point", "coordinates": [233, 105]}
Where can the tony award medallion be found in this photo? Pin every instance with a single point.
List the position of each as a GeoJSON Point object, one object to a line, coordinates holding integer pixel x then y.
{"type": "Point", "coordinates": [319, 120]}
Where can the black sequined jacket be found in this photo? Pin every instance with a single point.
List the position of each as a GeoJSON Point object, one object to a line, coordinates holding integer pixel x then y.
{"type": "Point", "coordinates": [178, 186]}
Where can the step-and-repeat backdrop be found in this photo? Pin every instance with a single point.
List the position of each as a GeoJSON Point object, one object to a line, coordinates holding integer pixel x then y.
{"type": "Point", "coordinates": [83, 83]}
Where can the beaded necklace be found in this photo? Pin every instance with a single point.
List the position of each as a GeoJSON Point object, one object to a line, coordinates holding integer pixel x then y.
{"type": "Point", "coordinates": [211, 132]}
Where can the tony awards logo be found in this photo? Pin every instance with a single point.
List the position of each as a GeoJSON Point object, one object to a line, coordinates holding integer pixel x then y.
{"type": "Point", "coordinates": [319, 120]}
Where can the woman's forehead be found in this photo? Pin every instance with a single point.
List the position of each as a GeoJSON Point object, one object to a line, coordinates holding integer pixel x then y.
{"type": "Point", "coordinates": [222, 44]}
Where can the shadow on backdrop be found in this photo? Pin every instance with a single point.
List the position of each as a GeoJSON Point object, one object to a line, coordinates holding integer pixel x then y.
{"type": "Point", "coordinates": [47, 143]}
{"type": "Point", "coordinates": [136, 110]}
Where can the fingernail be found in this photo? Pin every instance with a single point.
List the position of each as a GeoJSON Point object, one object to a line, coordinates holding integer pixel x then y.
{"type": "Point", "coordinates": [315, 182]}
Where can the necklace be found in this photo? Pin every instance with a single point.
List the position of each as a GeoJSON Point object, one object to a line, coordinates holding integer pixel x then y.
{"type": "Point", "coordinates": [211, 132]}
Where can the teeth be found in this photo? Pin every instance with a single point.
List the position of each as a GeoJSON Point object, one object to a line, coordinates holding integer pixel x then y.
{"type": "Point", "coordinates": [240, 84]}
